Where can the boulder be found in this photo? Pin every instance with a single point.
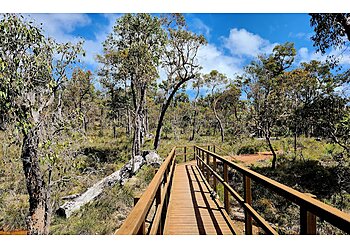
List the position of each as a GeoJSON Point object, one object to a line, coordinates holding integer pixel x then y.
{"type": "Point", "coordinates": [152, 158]}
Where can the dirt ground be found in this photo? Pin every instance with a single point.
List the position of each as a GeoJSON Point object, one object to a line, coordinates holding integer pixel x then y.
{"type": "Point", "coordinates": [248, 159]}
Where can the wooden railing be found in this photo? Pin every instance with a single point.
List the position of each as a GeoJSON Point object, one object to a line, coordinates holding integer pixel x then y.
{"type": "Point", "coordinates": [156, 194]}
{"type": "Point", "coordinates": [309, 207]}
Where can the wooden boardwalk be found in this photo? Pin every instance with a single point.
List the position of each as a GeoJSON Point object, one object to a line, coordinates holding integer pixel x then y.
{"type": "Point", "coordinates": [192, 210]}
{"type": "Point", "coordinates": [178, 199]}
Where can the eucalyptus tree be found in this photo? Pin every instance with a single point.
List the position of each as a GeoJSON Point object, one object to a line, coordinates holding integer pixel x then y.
{"type": "Point", "coordinates": [179, 61]}
{"type": "Point", "coordinates": [228, 107]}
{"type": "Point", "coordinates": [216, 82]}
{"type": "Point", "coordinates": [332, 30]}
{"type": "Point", "coordinates": [197, 84]}
{"type": "Point", "coordinates": [33, 70]}
{"type": "Point", "coordinates": [78, 97]}
{"type": "Point", "coordinates": [134, 49]}
{"type": "Point", "coordinates": [266, 90]}
{"type": "Point", "coordinates": [118, 99]}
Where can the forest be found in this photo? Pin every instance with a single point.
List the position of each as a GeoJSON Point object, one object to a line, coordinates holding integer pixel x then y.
{"type": "Point", "coordinates": [60, 134]}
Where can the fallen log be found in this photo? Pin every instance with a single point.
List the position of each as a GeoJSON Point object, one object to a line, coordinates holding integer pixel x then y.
{"type": "Point", "coordinates": [120, 176]}
{"type": "Point", "coordinates": [69, 207]}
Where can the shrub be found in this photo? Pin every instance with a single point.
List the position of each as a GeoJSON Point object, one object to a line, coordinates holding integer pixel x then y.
{"type": "Point", "coordinates": [248, 149]}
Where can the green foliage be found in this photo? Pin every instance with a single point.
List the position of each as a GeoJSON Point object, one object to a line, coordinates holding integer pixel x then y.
{"type": "Point", "coordinates": [29, 75]}
{"type": "Point", "coordinates": [248, 149]}
{"type": "Point", "coordinates": [331, 30]}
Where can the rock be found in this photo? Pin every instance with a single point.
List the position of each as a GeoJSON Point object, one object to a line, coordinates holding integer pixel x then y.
{"type": "Point", "coordinates": [128, 170]}
{"type": "Point", "coordinates": [152, 158]}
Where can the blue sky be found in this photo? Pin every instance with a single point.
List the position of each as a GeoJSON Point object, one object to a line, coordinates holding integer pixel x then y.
{"type": "Point", "coordinates": [233, 39]}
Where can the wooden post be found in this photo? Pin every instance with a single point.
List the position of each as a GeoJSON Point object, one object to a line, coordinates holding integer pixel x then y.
{"type": "Point", "coordinates": [208, 159]}
{"type": "Point", "coordinates": [199, 161]}
{"type": "Point", "coordinates": [203, 167]}
{"type": "Point", "coordinates": [226, 197]}
{"type": "Point", "coordinates": [214, 178]}
{"type": "Point", "coordinates": [142, 229]}
{"type": "Point", "coordinates": [247, 199]}
{"type": "Point", "coordinates": [207, 170]}
{"type": "Point", "coordinates": [214, 148]}
{"type": "Point", "coordinates": [307, 220]}
{"type": "Point", "coordinates": [184, 153]}
{"type": "Point", "coordinates": [194, 152]}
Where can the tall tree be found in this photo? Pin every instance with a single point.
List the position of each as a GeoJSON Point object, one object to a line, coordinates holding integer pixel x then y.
{"type": "Point", "coordinates": [216, 81]}
{"type": "Point", "coordinates": [134, 49]}
{"type": "Point", "coordinates": [30, 81]}
{"type": "Point", "coordinates": [78, 97]}
{"type": "Point", "coordinates": [304, 86]}
{"type": "Point", "coordinates": [267, 91]}
{"type": "Point", "coordinates": [197, 84]}
{"type": "Point", "coordinates": [179, 62]}
{"type": "Point", "coordinates": [333, 31]}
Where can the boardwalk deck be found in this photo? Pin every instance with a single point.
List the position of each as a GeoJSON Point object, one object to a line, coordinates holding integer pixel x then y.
{"type": "Point", "coordinates": [191, 208]}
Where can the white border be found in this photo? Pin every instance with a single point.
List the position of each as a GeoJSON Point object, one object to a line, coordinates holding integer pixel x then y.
{"type": "Point", "coordinates": [181, 6]}
{"type": "Point", "coordinates": [174, 242]}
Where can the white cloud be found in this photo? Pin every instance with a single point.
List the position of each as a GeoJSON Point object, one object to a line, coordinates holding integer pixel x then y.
{"type": "Point", "coordinates": [210, 57]}
{"type": "Point", "coordinates": [304, 55]}
{"type": "Point", "coordinates": [244, 43]}
{"type": "Point", "coordinates": [201, 27]}
{"type": "Point", "coordinates": [61, 27]}
{"type": "Point", "coordinates": [58, 24]}
{"type": "Point", "coordinates": [300, 35]}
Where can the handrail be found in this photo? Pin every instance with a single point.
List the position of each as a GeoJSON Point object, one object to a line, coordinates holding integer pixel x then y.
{"type": "Point", "coordinates": [134, 223]}
{"type": "Point", "coordinates": [261, 221]}
{"type": "Point", "coordinates": [309, 206]}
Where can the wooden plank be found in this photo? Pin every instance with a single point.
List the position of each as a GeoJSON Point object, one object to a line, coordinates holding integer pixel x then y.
{"type": "Point", "coordinates": [142, 228]}
{"type": "Point", "coordinates": [191, 209]}
{"type": "Point", "coordinates": [16, 232]}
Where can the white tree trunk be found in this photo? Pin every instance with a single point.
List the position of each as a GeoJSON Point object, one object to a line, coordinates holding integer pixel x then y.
{"type": "Point", "coordinates": [120, 176]}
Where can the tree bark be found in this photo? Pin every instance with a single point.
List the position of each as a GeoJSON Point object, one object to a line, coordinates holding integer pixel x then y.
{"type": "Point", "coordinates": [137, 135]}
{"type": "Point", "coordinates": [159, 128]}
{"type": "Point", "coordinates": [194, 125]}
{"type": "Point", "coordinates": [39, 205]}
{"type": "Point", "coordinates": [219, 121]}
{"type": "Point", "coordinates": [165, 107]}
{"type": "Point", "coordinates": [295, 140]}
{"type": "Point", "coordinates": [274, 156]}
{"type": "Point", "coordinates": [128, 125]}
{"type": "Point", "coordinates": [194, 115]}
